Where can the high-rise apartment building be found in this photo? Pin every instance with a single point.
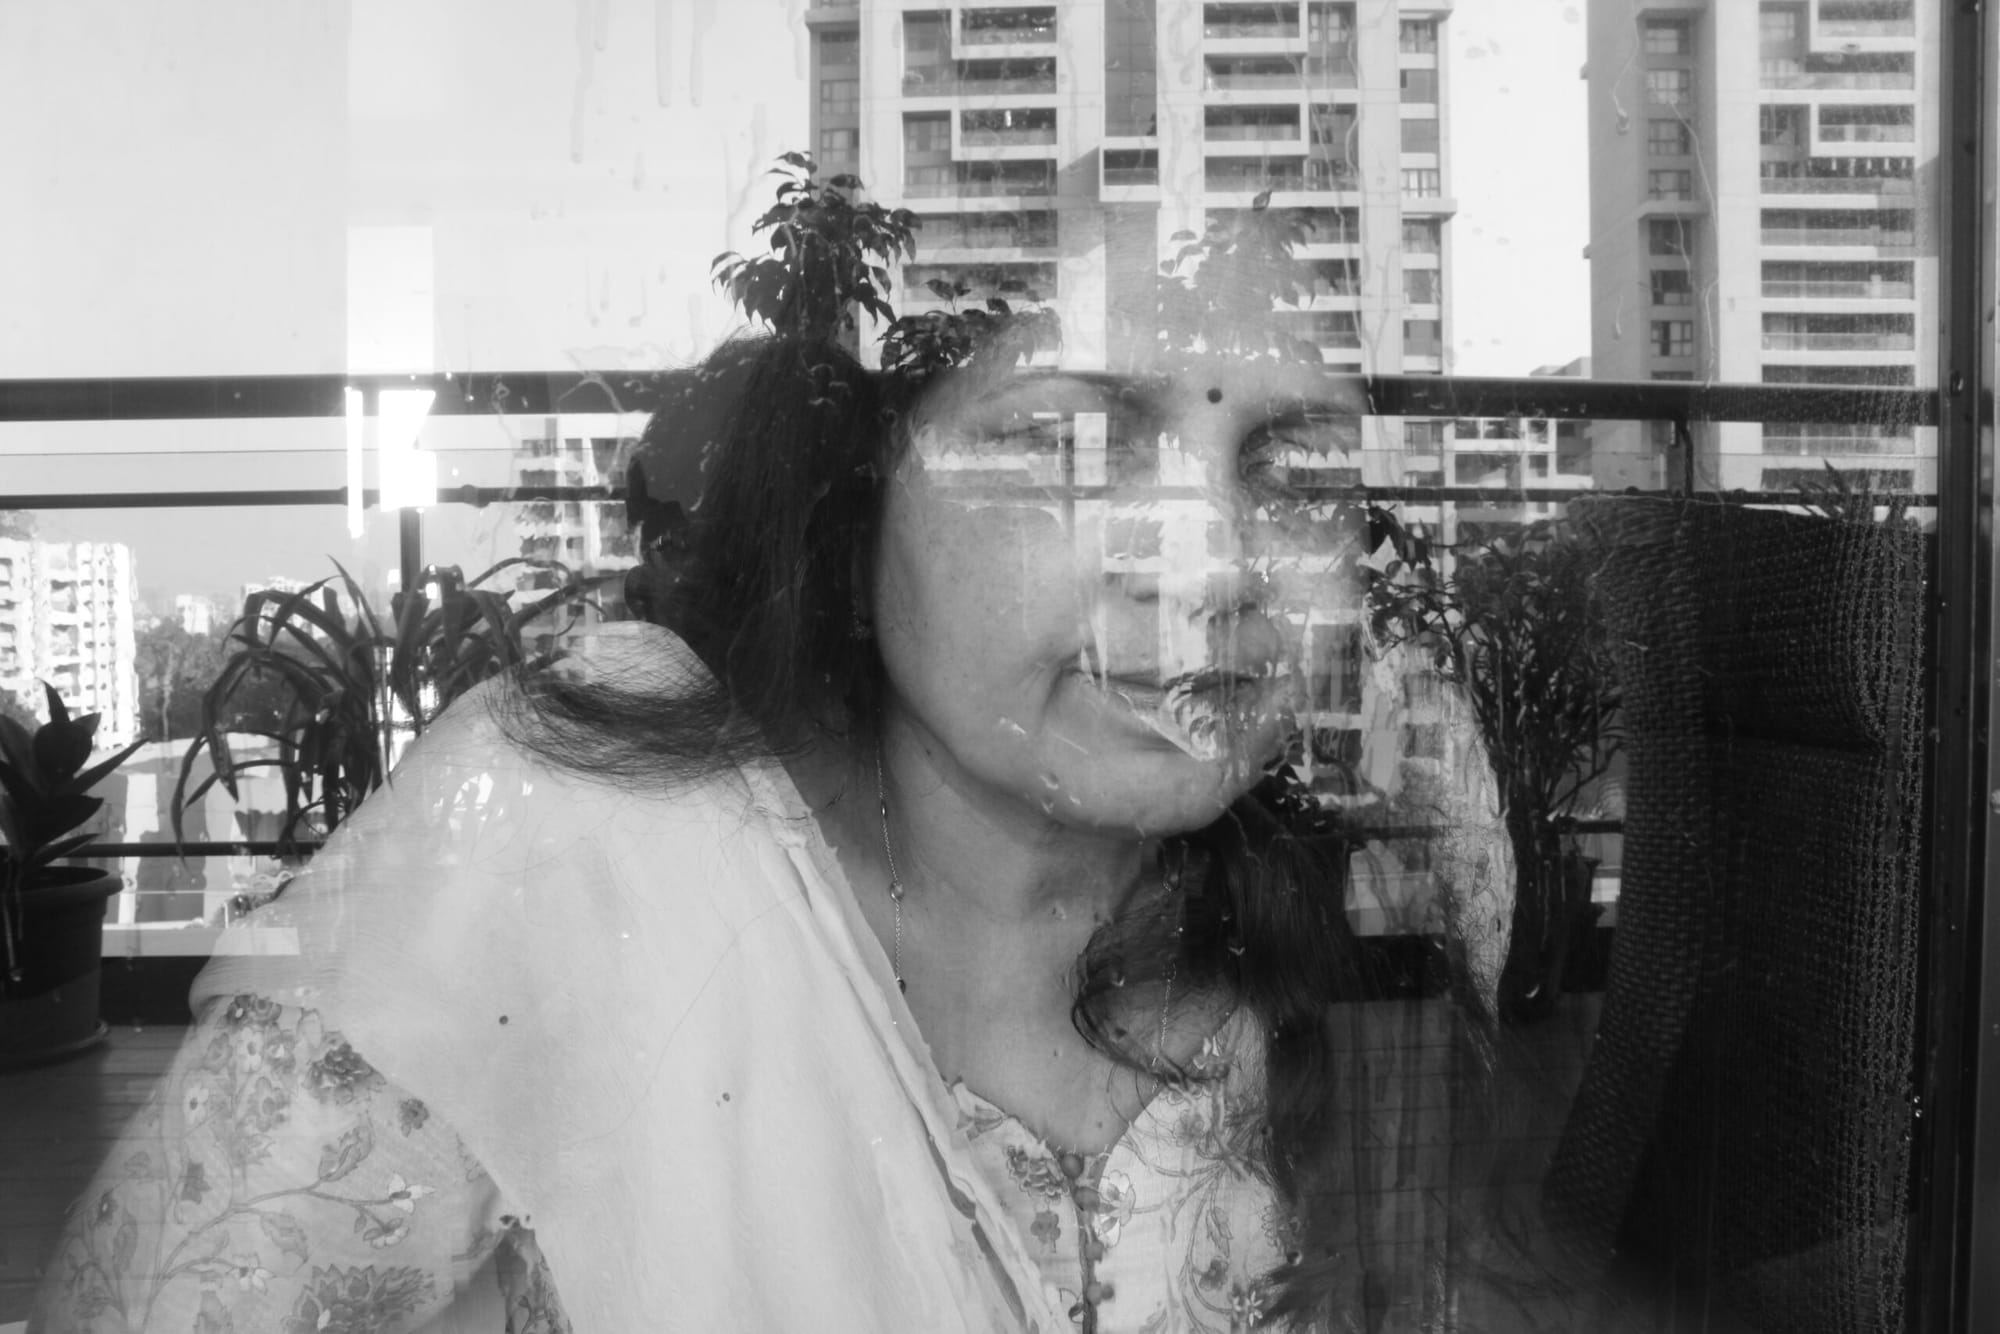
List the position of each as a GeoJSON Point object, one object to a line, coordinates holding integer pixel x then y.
{"type": "Point", "coordinates": [1754, 174]}
{"type": "Point", "coordinates": [587, 538]}
{"type": "Point", "coordinates": [1061, 149]}
{"type": "Point", "coordinates": [67, 616]}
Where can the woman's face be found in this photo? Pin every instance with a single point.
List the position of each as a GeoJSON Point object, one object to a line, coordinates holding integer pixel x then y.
{"type": "Point", "coordinates": [1090, 589]}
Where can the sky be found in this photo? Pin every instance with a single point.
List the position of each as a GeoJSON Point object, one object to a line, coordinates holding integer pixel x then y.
{"type": "Point", "coordinates": [230, 186]}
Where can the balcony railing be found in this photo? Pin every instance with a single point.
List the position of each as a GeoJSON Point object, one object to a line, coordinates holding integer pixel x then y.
{"type": "Point", "coordinates": [1239, 29]}
{"type": "Point", "coordinates": [1027, 137]}
{"type": "Point", "coordinates": [1867, 134]}
{"type": "Point", "coordinates": [1229, 81]}
{"type": "Point", "coordinates": [1901, 186]}
{"type": "Point", "coordinates": [946, 81]}
{"type": "Point", "coordinates": [1868, 236]}
{"type": "Point", "coordinates": [1838, 289]}
{"type": "Point", "coordinates": [1832, 27]}
{"type": "Point", "coordinates": [1840, 342]}
{"type": "Point", "coordinates": [1786, 74]}
{"type": "Point", "coordinates": [1257, 132]}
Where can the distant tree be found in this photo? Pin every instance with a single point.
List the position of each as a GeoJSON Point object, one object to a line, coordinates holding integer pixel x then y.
{"type": "Point", "coordinates": [13, 706]}
{"type": "Point", "coordinates": [175, 668]}
{"type": "Point", "coordinates": [17, 524]}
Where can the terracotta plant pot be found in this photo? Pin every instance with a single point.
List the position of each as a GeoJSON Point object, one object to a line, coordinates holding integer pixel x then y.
{"type": "Point", "coordinates": [52, 1011]}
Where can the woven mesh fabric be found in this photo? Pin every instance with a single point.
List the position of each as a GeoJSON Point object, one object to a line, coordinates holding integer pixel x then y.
{"type": "Point", "coordinates": [1743, 1123]}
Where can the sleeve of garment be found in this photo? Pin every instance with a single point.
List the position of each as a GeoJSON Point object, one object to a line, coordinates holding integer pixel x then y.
{"type": "Point", "coordinates": [277, 1181]}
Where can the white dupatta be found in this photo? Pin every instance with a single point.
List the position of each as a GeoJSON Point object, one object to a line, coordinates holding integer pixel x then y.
{"type": "Point", "coordinates": [663, 1027]}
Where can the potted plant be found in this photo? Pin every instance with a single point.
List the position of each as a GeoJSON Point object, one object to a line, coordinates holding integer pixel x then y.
{"type": "Point", "coordinates": [353, 689]}
{"type": "Point", "coordinates": [51, 917]}
{"type": "Point", "coordinates": [1512, 625]}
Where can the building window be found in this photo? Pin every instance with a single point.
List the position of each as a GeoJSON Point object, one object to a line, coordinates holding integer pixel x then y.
{"type": "Point", "coordinates": [1011, 126]}
{"type": "Point", "coordinates": [1669, 138]}
{"type": "Point", "coordinates": [1419, 84]}
{"type": "Point", "coordinates": [1675, 183]}
{"type": "Point", "coordinates": [1420, 287]}
{"type": "Point", "coordinates": [1668, 236]}
{"type": "Point", "coordinates": [1777, 30]}
{"type": "Point", "coordinates": [1131, 73]}
{"type": "Point", "coordinates": [1670, 87]}
{"type": "Point", "coordinates": [839, 145]}
{"type": "Point", "coordinates": [1781, 127]}
{"type": "Point", "coordinates": [1425, 437]}
{"type": "Point", "coordinates": [1422, 236]}
{"type": "Point", "coordinates": [926, 52]}
{"type": "Point", "coordinates": [839, 47]}
{"type": "Point", "coordinates": [927, 134]}
{"type": "Point", "coordinates": [1673, 287]}
{"type": "Point", "coordinates": [1665, 37]}
{"type": "Point", "coordinates": [1422, 182]}
{"type": "Point", "coordinates": [1420, 136]}
{"type": "Point", "coordinates": [1673, 338]}
{"type": "Point", "coordinates": [1423, 338]}
{"type": "Point", "coordinates": [1417, 37]}
{"type": "Point", "coordinates": [839, 97]}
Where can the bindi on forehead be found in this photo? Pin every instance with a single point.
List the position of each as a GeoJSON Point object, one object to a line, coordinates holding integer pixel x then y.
{"type": "Point", "coordinates": [1214, 395]}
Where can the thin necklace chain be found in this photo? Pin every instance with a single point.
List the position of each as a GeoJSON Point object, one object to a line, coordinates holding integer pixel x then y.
{"type": "Point", "coordinates": [895, 879]}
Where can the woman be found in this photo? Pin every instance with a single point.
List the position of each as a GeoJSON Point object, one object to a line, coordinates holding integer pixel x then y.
{"type": "Point", "coordinates": [901, 947]}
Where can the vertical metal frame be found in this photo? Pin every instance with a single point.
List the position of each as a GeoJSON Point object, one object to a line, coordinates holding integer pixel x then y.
{"type": "Point", "coordinates": [1955, 1235]}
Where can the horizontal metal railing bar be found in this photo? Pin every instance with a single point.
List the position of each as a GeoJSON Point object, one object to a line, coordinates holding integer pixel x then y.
{"type": "Point", "coordinates": [197, 848]}
{"type": "Point", "coordinates": [270, 848]}
{"type": "Point", "coordinates": [481, 496]}
{"type": "Point", "coordinates": [166, 398]}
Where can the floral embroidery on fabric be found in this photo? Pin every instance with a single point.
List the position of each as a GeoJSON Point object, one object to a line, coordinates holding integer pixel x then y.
{"type": "Point", "coordinates": [265, 1196]}
{"type": "Point", "coordinates": [356, 1301]}
{"type": "Point", "coordinates": [1173, 1232]}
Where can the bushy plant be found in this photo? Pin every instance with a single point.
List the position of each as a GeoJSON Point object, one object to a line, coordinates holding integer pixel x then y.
{"type": "Point", "coordinates": [830, 252]}
{"type": "Point", "coordinates": [45, 781]}
{"type": "Point", "coordinates": [1509, 620]}
{"type": "Point", "coordinates": [341, 680]}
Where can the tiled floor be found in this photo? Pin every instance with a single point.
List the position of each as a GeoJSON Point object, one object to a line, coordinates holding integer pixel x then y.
{"type": "Point", "coordinates": [1413, 1133]}
{"type": "Point", "coordinates": [56, 1123]}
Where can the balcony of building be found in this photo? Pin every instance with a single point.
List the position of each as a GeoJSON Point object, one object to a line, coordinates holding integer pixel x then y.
{"type": "Point", "coordinates": [1244, 20]}
{"type": "Point", "coordinates": [1879, 229]}
{"type": "Point", "coordinates": [991, 234]}
{"type": "Point", "coordinates": [990, 178]}
{"type": "Point", "coordinates": [1836, 281]}
{"type": "Point", "coordinates": [980, 77]}
{"type": "Point", "coordinates": [1271, 128]}
{"type": "Point", "coordinates": [1024, 30]}
{"type": "Point", "coordinates": [1864, 19]}
{"type": "Point", "coordinates": [1007, 127]}
{"type": "Point", "coordinates": [1874, 177]}
{"type": "Point", "coordinates": [1839, 72]}
{"type": "Point", "coordinates": [1838, 333]}
{"type": "Point", "coordinates": [1129, 171]}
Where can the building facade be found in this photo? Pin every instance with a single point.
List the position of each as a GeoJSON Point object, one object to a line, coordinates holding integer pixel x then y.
{"type": "Point", "coordinates": [589, 538]}
{"type": "Point", "coordinates": [1754, 218]}
{"type": "Point", "coordinates": [68, 614]}
{"type": "Point", "coordinates": [1066, 151]}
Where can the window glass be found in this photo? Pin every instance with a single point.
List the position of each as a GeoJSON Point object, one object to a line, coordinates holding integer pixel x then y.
{"type": "Point", "coordinates": [1171, 456]}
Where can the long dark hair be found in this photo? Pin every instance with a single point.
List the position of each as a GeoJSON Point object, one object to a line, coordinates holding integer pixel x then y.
{"type": "Point", "coordinates": [766, 585]}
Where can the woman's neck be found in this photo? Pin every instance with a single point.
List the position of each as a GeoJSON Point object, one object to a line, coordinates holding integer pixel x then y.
{"type": "Point", "coordinates": [992, 856]}
{"type": "Point", "coordinates": [983, 859]}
